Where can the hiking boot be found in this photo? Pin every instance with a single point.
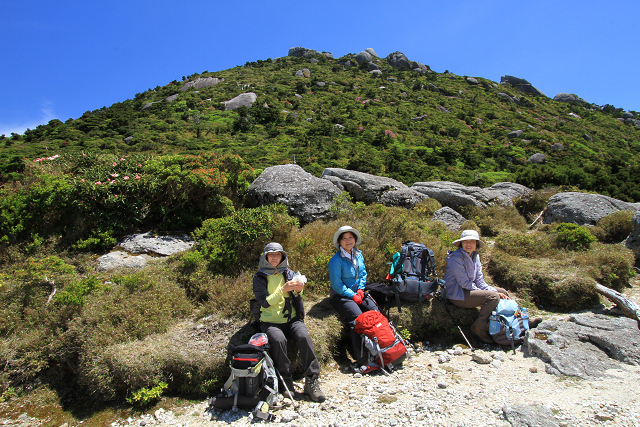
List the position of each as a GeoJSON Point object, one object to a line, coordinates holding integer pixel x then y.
{"type": "Point", "coordinates": [535, 322]}
{"type": "Point", "coordinates": [312, 388]}
{"type": "Point", "coordinates": [482, 334]}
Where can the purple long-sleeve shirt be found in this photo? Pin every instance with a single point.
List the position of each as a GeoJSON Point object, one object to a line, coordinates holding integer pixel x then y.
{"type": "Point", "coordinates": [464, 272]}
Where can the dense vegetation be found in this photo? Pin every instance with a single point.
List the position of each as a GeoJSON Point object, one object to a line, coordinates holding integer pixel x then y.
{"type": "Point", "coordinates": [69, 190]}
{"type": "Point", "coordinates": [362, 122]}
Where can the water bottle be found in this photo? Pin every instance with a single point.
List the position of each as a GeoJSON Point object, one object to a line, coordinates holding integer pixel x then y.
{"type": "Point", "coordinates": [494, 323]}
{"type": "Point", "coordinates": [525, 318]}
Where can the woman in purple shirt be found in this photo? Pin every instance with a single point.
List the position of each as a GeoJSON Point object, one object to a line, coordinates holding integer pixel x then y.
{"type": "Point", "coordinates": [465, 283]}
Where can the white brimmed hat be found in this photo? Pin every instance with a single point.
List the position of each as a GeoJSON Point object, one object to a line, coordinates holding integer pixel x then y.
{"type": "Point", "coordinates": [344, 229]}
{"type": "Point", "coordinates": [470, 235]}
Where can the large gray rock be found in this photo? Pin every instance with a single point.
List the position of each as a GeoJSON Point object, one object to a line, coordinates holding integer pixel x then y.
{"type": "Point", "coordinates": [508, 98]}
{"type": "Point", "coordinates": [399, 60]}
{"type": "Point", "coordinates": [452, 219]}
{"type": "Point", "coordinates": [568, 97]}
{"type": "Point", "coordinates": [145, 243]}
{"type": "Point", "coordinates": [171, 98]}
{"type": "Point", "coordinates": [246, 99]}
{"type": "Point", "coordinates": [201, 83]}
{"type": "Point", "coordinates": [363, 57]}
{"type": "Point", "coordinates": [371, 52]}
{"type": "Point", "coordinates": [369, 188]}
{"type": "Point", "coordinates": [308, 197]}
{"type": "Point", "coordinates": [585, 346]}
{"type": "Point", "coordinates": [511, 190]}
{"type": "Point", "coordinates": [583, 208]}
{"type": "Point", "coordinates": [118, 259]}
{"type": "Point", "coordinates": [522, 85]}
{"type": "Point", "coordinates": [457, 195]}
{"type": "Point", "coordinates": [633, 241]}
{"type": "Point", "coordinates": [529, 416]}
{"type": "Point", "coordinates": [538, 159]}
{"type": "Point", "coordinates": [515, 133]}
{"type": "Point", "coordinates": [300, 52]}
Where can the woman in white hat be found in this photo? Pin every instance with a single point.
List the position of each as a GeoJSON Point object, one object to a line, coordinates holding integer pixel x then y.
{"type": "Point", "coordinates": [348, 277]}
{"type": "Point", "coordinates": [465, 283]}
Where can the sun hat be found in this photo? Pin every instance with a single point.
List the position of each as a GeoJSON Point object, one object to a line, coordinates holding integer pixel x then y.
{"type": "Point", "coordinates": [344, 229]}
{"type": "Point", "coordinates": [274, 247]}
{"type": "Point", "coordinates": [469, 235]}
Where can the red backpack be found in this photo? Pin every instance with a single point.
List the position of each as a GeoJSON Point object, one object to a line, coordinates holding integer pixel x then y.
{"type": "Point", "coordinates": [386, 347]}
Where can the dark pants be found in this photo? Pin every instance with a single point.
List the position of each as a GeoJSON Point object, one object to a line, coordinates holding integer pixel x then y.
{"type": "Point", "coordinates": [350, 310]}
{"type": "Point", "coordinates": [486, 300]}
{"type": "Point", "coordinates": [296, 329]}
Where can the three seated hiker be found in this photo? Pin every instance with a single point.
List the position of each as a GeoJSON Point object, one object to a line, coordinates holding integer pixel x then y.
{"type": "Point", "coordinates": [282, 316]}
{"type": "Point", "coordinates": [376, 343]}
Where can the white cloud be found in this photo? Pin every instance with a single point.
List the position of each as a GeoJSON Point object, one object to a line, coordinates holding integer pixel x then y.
{"type": "Point", "coordinates": [47, 114]}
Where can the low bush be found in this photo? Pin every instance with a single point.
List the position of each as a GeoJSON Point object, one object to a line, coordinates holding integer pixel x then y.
{"type": "Point", "coordinates": [573, 237]}
{"type": "Point", "coordinates": [609, 265]}
{"type": "Point", "coordinates": [528, 245]}
{"type": "Point", "coordinates": [496, 219]}
{"type": "Point", "coordinates": [614, 228]}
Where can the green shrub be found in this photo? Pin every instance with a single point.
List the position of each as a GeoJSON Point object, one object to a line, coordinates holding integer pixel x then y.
{"type": "Point", "coordinates": [614, 228]}
{"type": "Point", "coordinates": [573, 293]}
{"type": "Point", "coordinates": [573, 237]}
{"type": "Point", "coordinates": [234, 243]}
{"type": "Point", "coordinates": [146, 396]}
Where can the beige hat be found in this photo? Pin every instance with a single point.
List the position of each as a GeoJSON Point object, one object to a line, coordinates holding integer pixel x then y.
{"type": "Point", "coordinates": [345, 229]}
{"type": "Point", "coordinates": [469, 235]}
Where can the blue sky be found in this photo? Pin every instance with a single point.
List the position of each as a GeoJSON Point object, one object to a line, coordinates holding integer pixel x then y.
{"type": "Point", "coordinates": [61, 58]}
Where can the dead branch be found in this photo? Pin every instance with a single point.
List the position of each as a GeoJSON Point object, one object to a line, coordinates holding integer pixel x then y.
{"type": "Point", "coordinates": [628, 307]}
{"type": "Point", "coordinates": [52, 283]}
{"type": "Point", "coordinates": [536, 220]}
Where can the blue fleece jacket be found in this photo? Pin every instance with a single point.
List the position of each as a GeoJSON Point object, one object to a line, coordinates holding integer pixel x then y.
{"type": "Point", "coordinates": [345, 278]}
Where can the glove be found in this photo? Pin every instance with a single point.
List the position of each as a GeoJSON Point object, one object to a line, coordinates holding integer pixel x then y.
{"type": "Point", "coordinates": [357, 299]}
{"type": "Point", "coordinates": [360, 293]}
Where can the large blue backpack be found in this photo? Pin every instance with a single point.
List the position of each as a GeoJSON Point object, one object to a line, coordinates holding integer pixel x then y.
{"type": "Point", "coordinates": [508, 323]}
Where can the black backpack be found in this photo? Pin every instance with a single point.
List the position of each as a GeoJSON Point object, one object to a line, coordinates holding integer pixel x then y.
{"type": "Point", "coordinates": [253, 380]}
{"type": "Point", "coordinates": [413, 273]}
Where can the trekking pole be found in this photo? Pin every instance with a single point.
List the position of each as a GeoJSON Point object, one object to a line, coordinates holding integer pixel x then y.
{"type": "Point", "coordinates": [286, 388]}
{"type": "Point", "coordinates": [439, 296]}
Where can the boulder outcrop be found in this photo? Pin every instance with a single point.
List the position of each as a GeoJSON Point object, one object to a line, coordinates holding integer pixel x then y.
{"type": "Point", "coordinates": [307, 197]}
{"type": "Point", "coordinates": [246, 99]}
{"type": "Point", "coordinates": [452, 219]}
{"type": "Point", "coordinates": [585, 346]}
{"type": "Point", "coordinates": [583, 208]}
{"type": "Point", "coordinates": [201, 83]}
{"type": "Point", "coordinates": [457, 195]}
{"type": "Point", "coordinates": [373, 189]}
{"type": "Point", "coordinates": [522, 85]}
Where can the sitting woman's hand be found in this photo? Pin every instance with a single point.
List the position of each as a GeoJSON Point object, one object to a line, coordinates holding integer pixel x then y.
{"type": "Point", "coordinates": [503, 296]}
{"type": "Point", "coordinates": [293, 286]}
{"type": "Point", "coordinates": [357, 299]}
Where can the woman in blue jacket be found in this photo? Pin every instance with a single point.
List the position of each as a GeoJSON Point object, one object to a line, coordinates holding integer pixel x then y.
{"type": "Point", "coordinates": [348, 277]}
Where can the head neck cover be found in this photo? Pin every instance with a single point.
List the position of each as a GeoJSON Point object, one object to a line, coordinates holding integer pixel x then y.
{"type": "Point", "coordinates": [265, 267]}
